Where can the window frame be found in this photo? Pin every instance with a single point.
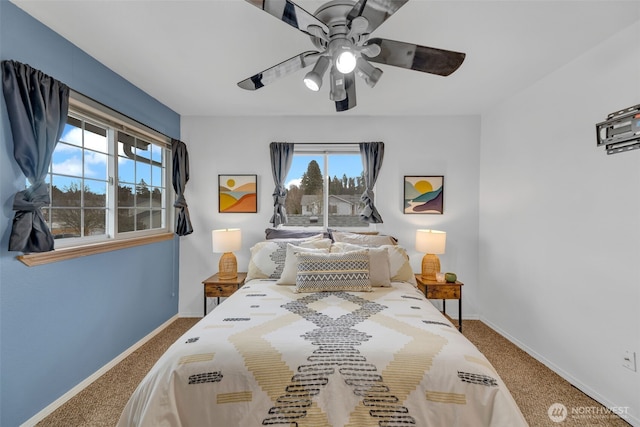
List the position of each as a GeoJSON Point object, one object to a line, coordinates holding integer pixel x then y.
{"type": "Point", "coordinates": [86, 109]}
{"type": "Point", "coordinates": [326, 150]}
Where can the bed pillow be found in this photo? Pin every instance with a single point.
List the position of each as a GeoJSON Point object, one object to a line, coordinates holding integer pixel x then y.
{"type": "Point", "coordinates": [290, 270]}
{"type": "Point", "coordinates": [287, 233]}
{"type": "Point", "coordinates": [362, 239]}
{"type": "Point", "coordinates": [267, 258]}
{"type": "Point", "coordinates": [379, 273]}
{"type": "Point", "coordinates": [348, 271]}
{"type": "Point", "coordinates": [399, 266]}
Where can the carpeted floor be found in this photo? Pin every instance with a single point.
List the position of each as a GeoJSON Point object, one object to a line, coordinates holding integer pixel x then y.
{"type": "Point", "coordinates": [534, 387]}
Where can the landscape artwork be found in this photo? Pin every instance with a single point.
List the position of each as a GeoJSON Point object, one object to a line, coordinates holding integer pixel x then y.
{"type": "Point", "coordinates": [237, 193]}
{"type": "Point", "coordinates": [423, 194]}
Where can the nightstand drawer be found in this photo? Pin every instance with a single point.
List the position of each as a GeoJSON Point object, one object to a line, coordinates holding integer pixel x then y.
{"type": "Point", "coordinates": [443, 292]}
{"type": "Point", "coordinates": [212, 290]}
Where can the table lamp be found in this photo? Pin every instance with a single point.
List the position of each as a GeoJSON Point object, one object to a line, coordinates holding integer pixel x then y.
{"type": "Point", "coordinates": [431, 243]}
{"type": "Point", "coordinates": [226, 241]}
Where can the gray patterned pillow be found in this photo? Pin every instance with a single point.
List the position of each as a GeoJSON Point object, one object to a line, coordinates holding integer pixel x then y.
{"type": "Point", "coordinates": [348, 271]}
{"type": "Point", "coordinates": [379, 273]}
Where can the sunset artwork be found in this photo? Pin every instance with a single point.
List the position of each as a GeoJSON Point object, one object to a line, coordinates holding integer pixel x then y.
{"type": "Point", "coordinates": [423, 194]}
{"type": "Point", "coordinates": [237, 193]}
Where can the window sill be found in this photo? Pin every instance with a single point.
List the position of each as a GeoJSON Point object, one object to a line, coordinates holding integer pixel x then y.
{"type": "Point", "coordinates": [62, 254]}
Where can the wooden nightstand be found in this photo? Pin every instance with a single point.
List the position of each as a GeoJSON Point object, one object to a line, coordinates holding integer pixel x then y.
{"type": "Point", "coordinates": [443, 291]}
{"type": "Point", "coordinates": [215, 287]}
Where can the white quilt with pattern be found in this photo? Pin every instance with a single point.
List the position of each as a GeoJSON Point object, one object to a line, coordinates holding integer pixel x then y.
{"type": "Point", "coordinates": [268, 356]}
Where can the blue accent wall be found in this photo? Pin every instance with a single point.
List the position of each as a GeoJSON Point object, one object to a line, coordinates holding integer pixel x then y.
{"type": "Point", "coordinates": [61, 322]}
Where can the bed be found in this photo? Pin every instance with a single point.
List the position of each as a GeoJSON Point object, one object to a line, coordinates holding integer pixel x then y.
{"type": "Point", "coordinates": [280, 354]}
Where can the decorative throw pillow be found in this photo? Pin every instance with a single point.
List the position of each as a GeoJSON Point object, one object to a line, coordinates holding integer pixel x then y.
{"type": "Point", "coordinates": [348, 271]}
{"type": "Point", "coordinates": [379, 274]}
{"type": "Point", "coordinates": [267, 258]}
{"type": "Point", "coordinates": [288, 276]}
{"type": "Point", "coordinates": [399, 266]}
{"type": "Point", "coordinates": [292, 233]}
{"type": "Point", "coordinates": [362, 239]}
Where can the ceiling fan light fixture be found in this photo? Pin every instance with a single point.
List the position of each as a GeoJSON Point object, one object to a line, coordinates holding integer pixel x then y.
{"type": "Point", "coordinates": [312, 82]}
{"type": "Point", "coordinates": [368, 72]}
{"type": "Point", "coordinates": [313, 79]}
{"type": "Point", "coordinates": [345, 61]}
{"type": "Point", "coordinates": [338, 90]}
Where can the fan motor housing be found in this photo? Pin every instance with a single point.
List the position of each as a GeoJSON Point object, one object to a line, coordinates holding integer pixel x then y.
{"type": "Point", "coordinates": [334, 15]}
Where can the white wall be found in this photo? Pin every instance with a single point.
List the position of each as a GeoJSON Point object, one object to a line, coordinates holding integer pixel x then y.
{"type": "Point", "coordinates": [560, 223]}
{"type": "Point", "coordinates": [446, 146]}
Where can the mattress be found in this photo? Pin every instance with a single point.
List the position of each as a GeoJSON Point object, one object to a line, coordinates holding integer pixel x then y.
{"type": "Point", "coordinates": [270, 356]}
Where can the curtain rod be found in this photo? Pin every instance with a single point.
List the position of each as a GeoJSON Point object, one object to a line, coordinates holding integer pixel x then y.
{"type": "Point", "coordinates": [326, 143]}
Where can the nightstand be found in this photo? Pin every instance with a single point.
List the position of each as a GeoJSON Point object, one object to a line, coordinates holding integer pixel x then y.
{"type": "Point", "coordinates": [443, 291]}
{"type": "Point", "coordinates": [215, 287]}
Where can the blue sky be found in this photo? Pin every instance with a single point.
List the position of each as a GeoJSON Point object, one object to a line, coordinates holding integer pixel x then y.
{"type": "Point", "coordinates": [339, 164]}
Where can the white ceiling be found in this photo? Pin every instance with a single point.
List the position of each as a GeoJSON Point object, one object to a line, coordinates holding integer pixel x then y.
{"type": "Point", "coordinates": [190, 54]}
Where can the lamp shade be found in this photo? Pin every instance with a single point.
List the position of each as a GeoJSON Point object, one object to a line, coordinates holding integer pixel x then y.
{"type": "Point", "coordinates": [431, 241]}
{"type": "Point", "coordinates": [226, 240]}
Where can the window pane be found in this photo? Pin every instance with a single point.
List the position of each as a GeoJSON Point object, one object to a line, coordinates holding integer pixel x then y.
{"type": "Point", "coordinates": [156, 197]}
{"type": "Point", "coordinates": [125, 195]}
{"type": "Point", "coordinates": [95, 138]}
{"type": "Point", "coordinates": [95, 165]}
{"type": "Point", "coordinates": [143, 172]}
{"type": "Point", "coordinates": [142, 149]}
{"type": "Point", "coordinates": [346, 185]}
{"type": "Point", "coordinates": [126, 220]}
{"type": "Point", "coordinates": [65, 223]}
{"type": "Point", "coordinates": [65, 191]}
{"type": "Point", "coordinates": [157, 218]}
{"type": "Point", "coordinates": [156, 176]}
{"type": "Point", "coordinates": [126, 170]}
{"type": "Point", "coordinates": [72, 133]}
{"type": "Point", "coordinates": [67, 160]}
{"type": "Point", "coordinates": [95, 193]}
{"type": "Point", "coordinates": [143, 195]}
{"type": "Point", "coordinates": [304, 182]}
{"type": "Point", "coordinates": [143, 219]}
{"type": "Point", "coordinates": [95, 222]}
{"type": "Point", "coordinates": [156, 154]}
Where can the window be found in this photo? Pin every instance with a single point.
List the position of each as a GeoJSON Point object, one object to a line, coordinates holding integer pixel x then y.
{"type": "Point", "coordinates": [106, 180]}
{"type": "Point", "coordinates": [325, 184]}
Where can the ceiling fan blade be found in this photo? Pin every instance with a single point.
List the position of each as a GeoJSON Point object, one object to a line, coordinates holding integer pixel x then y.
{"type": "Point", "coordinates": [284, 68]}
{"type": "Point", "coordinates": [376, 11]}
{"type": "Point", "coordinates": [350, 101]}
{"type": "Point", "coordinates": [416, 57]}
{"type": "Point", "coordinates": [289, 13]}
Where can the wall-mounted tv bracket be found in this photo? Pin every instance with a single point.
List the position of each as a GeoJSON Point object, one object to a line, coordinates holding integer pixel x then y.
{"type": "Point", "coordinates": [621, 131]}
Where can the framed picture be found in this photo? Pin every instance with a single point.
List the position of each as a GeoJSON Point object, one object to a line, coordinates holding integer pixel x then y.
{"type": "Point", "coordinates": [237, 193]}
{"type": "Point", "coordinates": [423, 194]}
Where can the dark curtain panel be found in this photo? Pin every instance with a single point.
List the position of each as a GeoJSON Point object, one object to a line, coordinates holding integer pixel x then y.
{"type": "Point", "coordinates": [37, 106]}
{"type": "Point", "coordinates": [180, 179]}
{"type": "Point", "coordinates": [281, 157]}
{"type": "Point", "coordinates": [372, 154]}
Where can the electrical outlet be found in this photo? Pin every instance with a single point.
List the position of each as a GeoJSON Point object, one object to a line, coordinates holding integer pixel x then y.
{"type": "Point", "coordinates": [629, 360]}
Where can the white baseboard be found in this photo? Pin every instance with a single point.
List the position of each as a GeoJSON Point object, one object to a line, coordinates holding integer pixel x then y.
{"type": "Point", "coordinates": [629, 418]}
{"type": "Point", "coordinates": [86, 382]}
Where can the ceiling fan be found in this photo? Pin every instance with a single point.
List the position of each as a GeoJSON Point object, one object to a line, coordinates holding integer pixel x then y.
{"type": "Point", "coordinates": [340, 30]}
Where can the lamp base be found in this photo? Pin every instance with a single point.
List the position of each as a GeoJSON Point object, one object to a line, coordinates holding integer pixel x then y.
{"type": "Point", "coordinates": [430, 266]}
{"type": "Point", "coordinates": [228, 266]}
